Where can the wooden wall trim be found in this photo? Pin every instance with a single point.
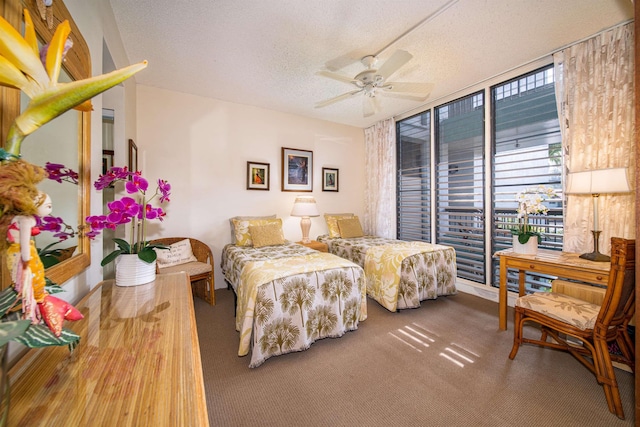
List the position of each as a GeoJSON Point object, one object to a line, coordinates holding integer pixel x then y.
{"type": "Point", "coordinates": [637, 146]}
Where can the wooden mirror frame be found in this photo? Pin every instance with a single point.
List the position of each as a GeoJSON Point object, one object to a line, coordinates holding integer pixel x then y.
{"type": "Point", "coordinates": [78, 64]}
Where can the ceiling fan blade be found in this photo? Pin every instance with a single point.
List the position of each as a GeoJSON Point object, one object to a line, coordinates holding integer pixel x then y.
{"type": "Point", "coordinates": [345, 60]}
{"type": "Point", "coordinates": [336, 99]}
{"type": "Point", "coordinates": [391, 65]}
{"type": "Point", "coordinates": [335, 76]}
{"type": "Point", "coordinates": [406, 96]}
{"type": "Point", "coordinates": [407, 87]}
{"type": "Point", "coordinates": [370, 105]}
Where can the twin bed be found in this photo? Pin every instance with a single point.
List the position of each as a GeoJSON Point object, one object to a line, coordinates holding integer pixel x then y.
{"type": "Point", "coordinates": [289, 296]}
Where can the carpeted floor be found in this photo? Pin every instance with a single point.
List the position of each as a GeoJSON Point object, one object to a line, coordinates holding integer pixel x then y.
{"type": "Point", "coordinates": [443, 364]}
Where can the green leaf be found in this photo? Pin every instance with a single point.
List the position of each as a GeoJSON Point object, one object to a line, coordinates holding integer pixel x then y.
{"type": "Point", "coordinates": [147, 255]}
{"type": "Point", "coordinates": [53, 288]}
{"type": "Point", "coordinates": [113, 255]}
{"type": "Point", "coordinates": [123, 245]}
{"type": "Point", "coordinates": [12, 330]}
{"type": "Point", "coordinates": [40, 336]}
{"type": "Point", "coordinates": [157, 246]}
{"type": "Point", "coordinates": [8, 298]}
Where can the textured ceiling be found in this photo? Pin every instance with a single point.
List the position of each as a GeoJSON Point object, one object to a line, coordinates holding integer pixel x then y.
{"type": "Point", "coordinates": [266, 52]}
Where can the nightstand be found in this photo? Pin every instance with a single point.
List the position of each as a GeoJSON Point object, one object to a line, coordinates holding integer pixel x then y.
{"type": "Point", "coordinates": [314, 244]}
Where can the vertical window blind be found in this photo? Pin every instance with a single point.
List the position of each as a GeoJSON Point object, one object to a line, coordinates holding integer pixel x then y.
{"type": "Point", "coordinates": [414, 178]}
{"type": "Point", "coordinates": [459, 130]}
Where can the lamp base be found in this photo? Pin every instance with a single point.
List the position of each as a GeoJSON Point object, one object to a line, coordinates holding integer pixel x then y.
{"type": "Point", "coordinates": [596, 255]}
{"type": "Point", "coordinates": [305, 225]}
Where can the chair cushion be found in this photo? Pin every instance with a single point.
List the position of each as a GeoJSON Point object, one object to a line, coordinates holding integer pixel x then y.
{"type": "Point", "coordinates": [574, 311]}
{"type": "Point", "coordinates": [191, 268]}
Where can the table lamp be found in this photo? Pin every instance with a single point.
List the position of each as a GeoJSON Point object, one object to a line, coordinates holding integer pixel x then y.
{"type": "Point", "coordinates": [596, 182]}
{"type": "Point", "coordinates": [305, 206]}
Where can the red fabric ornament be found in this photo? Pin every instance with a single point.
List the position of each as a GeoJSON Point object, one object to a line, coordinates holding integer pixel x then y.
{"type": "Point", "coordinates": [55, 311]}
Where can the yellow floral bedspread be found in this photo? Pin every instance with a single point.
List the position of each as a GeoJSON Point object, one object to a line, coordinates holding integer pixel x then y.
{"type": "Point", "coordinates": [432, 273]}
{"type": "Point", "coordinates": [288, 303]}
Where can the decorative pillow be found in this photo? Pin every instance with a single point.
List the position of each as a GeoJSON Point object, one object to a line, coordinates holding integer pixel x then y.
{"type": "Point", "coordinates": [332, 222]}
{"type": "Point", "coordinates": [242, 234]}
{"type": "Point", "coordinates": [266, 235]}
{"type": "Point", "coordinates": [245, 218]}
{"type": "Point", "coordinates": [350, 227]}
{"type": "Point", "coordinates": [178, 253]}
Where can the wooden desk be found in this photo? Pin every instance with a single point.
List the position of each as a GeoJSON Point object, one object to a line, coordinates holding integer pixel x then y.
{"type": "Point", "coordinates": [555, 263]}
{"type": "Point", "coordinates": [138, 363]}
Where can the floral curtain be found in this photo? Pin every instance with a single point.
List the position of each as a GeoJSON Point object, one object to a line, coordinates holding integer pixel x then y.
{"type": "Point", "coordinates": [380, 185]}
{"type": "Point", "coordinates": [595, 95]}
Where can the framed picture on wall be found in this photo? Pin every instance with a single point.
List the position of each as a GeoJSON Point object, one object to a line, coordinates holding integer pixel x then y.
{"type": "Point", "coordinates": [257, 176]}
{"type": "Point", "coordinates": [329, 179]}
{"type": "Point", "coordinates": [297, 170]}
{"type": "Point", "coordinates": [133, 156]}
{"type": "Point", "coordinates": [107, 160]}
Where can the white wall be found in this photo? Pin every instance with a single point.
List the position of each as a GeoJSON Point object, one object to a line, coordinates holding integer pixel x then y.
{"type": "Point", "coordinates": [96, 23]}
{"type": "Point", "coordinates": [202, 145]}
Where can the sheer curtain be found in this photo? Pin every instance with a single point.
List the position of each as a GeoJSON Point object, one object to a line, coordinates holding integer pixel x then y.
{"type": "Point", "coordinates": [595, 95]}
{"type": "Point", "coordinates": [380, 181]}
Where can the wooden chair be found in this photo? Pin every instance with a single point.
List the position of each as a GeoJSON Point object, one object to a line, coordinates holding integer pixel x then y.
{"type": "Point", "coordinates": [584, 329]}
{"type": "Point", "coordinates": [200, 272]}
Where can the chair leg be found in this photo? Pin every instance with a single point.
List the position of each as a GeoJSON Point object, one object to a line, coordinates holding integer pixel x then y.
{"type": "Point", "coordinates": [607, 377]}
{"type": "Point", "coordinates": [212, 291]}
{"type": "Point", "coordinates": [518, 324]}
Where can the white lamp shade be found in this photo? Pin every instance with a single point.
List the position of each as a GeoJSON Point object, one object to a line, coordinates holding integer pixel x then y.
{"type": "Point", "coordinates": [305, 206]}
{"type": "Point", "coordinates": [602, 181]}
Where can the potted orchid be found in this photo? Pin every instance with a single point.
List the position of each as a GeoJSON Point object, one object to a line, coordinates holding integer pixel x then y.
{"type": "Point", "coordinates": [134, 209]}
{"type": "Point", "coordinates": [531, 202]}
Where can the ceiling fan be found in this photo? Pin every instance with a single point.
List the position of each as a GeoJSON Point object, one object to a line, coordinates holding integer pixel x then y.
{"type": "Point", "coordinates": [373, 82]}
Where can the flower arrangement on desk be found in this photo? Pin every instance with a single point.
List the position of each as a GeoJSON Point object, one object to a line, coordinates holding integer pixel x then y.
{"type": "Point", "coordinates": [531, 202]}
{"type": "Point", "coordinates": [134, 210]}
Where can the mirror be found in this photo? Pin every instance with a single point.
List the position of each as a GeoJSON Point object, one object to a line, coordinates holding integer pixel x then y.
{"type": "Point", "coordinates": [71, 129]}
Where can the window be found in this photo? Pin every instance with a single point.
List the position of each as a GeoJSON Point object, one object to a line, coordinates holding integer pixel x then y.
{"type": "Point", "coordinates": [459, 129]}
{"type": "Point", "coordinates": [414, 180]}
{"type": "Point", "coordinates": [526, 151]}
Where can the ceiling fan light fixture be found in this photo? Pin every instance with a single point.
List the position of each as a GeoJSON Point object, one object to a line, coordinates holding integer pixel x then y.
{"type": "Point", "coordinates": [369, 80]}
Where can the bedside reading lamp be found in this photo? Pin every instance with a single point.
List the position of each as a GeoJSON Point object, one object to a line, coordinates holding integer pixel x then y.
{"type": "Point", "coordinates": [596, 182]}
{"type": "Point", "coordinates": [305, 206]}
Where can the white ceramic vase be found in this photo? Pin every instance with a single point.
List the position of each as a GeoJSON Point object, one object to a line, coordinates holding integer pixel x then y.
{"type": "Point", "coordinates": [132, 271]}
{"type": "Point", "coordinates": [529, 248]}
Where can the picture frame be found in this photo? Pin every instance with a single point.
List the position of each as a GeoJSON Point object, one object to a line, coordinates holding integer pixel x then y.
{"type": "Point", "coordinates": [297, 170]}
{"type": "Point", "coordinates": [258, 176]}
{"type": "Point", "coordinates": [330, 179]}
{"type": "Point", "coordinates": [133, 156]}
{"type": "Point", "coordinates": [107, 160]}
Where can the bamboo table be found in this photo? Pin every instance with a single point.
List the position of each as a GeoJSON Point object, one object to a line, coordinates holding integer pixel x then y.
{"type": "Point", "coordinates": [555, 263]}
{"type": "Point", "coordinates": [137, 364]}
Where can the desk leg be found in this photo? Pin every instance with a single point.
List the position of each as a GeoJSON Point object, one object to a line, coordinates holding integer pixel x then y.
{"type": "Point", "coordinates": [502, 295]}
{"type": "Point", "coordinates": [521, 276]}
